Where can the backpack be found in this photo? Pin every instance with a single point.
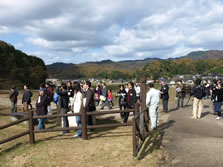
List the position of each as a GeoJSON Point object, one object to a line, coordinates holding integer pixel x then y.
{"type": "Point", "coordinates": [55, 98]}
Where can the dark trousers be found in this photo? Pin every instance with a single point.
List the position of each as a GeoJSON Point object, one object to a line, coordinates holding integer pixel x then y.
{"type": "Point", "coordinates": [165, 105]}
{"type": "Point", "coordinates": [89, 117]}
{"type": "Point", "coordinates": [64, 119]}
{"type": "Point", "coordinates": [126, 115]}
{"type": "Point", "coordinates": [122, 113]}
{"type": "Point", "coordinates": [217, 106]}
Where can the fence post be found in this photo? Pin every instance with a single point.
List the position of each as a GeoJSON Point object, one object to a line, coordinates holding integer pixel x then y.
{"type": "Point", "coordinates": [143, 93]}
{"type": "Point", "coordinates": [134, 136]}
{"type": "Point", "coordinates": [31, 128]}
{"type": "Point", "coordinates": [84, 123]}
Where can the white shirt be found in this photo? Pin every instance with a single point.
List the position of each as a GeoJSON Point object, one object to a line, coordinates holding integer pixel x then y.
{"type": "Point", "coordinates": [78, 102]}
{"type": "Point", "coordinates": [153, 97]}
{"type": "Point", "coordinates": [137, 89]}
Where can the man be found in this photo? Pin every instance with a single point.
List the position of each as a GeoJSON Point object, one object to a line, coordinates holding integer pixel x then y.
{"type": "Point", "coordinates": [64, 100]}
{"type": "Point", "coordinates": [105, 97]}
{"type": "Point", "coordinates": [26, 99]}
{"type": "Point", "coordinates": [181, 95]}
{"type": "Point", "coordinates": [130, 101]}
{"type": "Point", "coordinates": [13, 97]}
{"type": "Point", "coordinates": [137, 89]}
{"type": "Point", "coordinates": [49, 93]}
{"type": "Point", "coordinates": [198, 92]}
{"type": "Point", "coordinates": [89, 101]}
{"type": "Point", "coordinates": [152, 101]}
{"type": "Point", "coordinates": [41, 107]}
{"type": "Point", "coordinates": [164, 95]}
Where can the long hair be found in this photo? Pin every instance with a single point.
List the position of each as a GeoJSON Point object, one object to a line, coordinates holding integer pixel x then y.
{"type": "Point", "coordinates": [77, 86]}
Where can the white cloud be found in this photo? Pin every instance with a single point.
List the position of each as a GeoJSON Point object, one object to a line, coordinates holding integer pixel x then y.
{"type": "Point", "coordinates": [88, 29]}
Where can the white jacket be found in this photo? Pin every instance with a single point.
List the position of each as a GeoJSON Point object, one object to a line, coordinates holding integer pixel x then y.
{"type": "Point", "coordinates": [153, 97]}
{"type": "Point", "coordinates": [78, 102]}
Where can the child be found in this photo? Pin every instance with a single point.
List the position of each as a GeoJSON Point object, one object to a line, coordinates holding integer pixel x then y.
{"type": "Point", "coordinates": [110, 99]}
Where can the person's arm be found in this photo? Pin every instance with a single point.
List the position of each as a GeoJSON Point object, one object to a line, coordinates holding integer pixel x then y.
{"type": "Point", "coordinates": [43, 101]}
{"type": "Point", "coordinates": [134, 97]}
{"type": "Point", "coordinates": [11, 93]}
{"type": "Point", "coordinates": [148, 99]}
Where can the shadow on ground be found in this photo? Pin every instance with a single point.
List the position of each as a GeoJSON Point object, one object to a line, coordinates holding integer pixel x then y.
{"type": "Point", "coordinates": [154, 140]}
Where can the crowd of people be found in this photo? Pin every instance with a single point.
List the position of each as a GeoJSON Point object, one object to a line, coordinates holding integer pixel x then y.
{"type": "Point", "coordinates": [72, 96]}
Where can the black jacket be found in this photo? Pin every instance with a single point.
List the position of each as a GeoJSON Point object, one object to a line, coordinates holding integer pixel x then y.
{"type": "Point", "coordinates": [122, 94]}
{"type": "Point", "coordinates": [198, 91]}
{"type": "Point", "coordinates": [64, 98]}
{"type": "Point", "coordinates": [70, 91]}
{"type": "Point", "coordinates": [27, 96]}
{"type": "Point", "coordinates": [165, 94]}
{"type": "Point", "coordinates": [217, 95]}
{"type": "Point", "coordinates": [90, 103]}
{"type": "Point", "coordinates": [13, 95]}
{"type": "Point", "coordinates": [41, 108]}
{"type": "Point", "coordinates": [131, 98]}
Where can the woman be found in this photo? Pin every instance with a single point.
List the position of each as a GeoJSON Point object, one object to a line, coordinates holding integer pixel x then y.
{"type": "Point", "coordinates": [98, 94]}
{"type": "Point", "coordinates": [218, 98]}
{"type": "Point", "coordinates": [13, 97]}
{"type": "Point", "coordinates": [122, 99]}
{"type": "Point", "coordinates": [41, 108]}
{"type": "Point", "coordinates": [78, 103]}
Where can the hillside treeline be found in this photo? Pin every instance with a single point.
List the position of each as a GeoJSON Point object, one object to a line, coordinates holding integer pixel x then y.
{"type": "Point", "coordinates": [171, 68]}
{"type": "Point", "coordinates": [17, 67]}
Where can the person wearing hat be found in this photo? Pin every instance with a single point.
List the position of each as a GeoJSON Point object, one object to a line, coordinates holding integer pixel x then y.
{"type": "Point", "coordinates": [41, 108]}
{"type": "Point", "coordinates": [152, 101]}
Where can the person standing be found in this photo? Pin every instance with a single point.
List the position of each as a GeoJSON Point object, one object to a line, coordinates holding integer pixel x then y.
{"type": "Point", "coordinates": [198, 92]}
{"type": "Point", "coordinates": [13, 97]}
{"type": "Point", "coordinates": [89, 103]}
{"type": "Point", "coordinates": [49, 93]}
{"type": "Point", "coordinates": [41, 108]}
{"type": "Point", "coordinates": [122, 95]}
{"type": "Point", "coordinates": [218, 98]}
{"type": "Point", "coordinates": [105, 97]}
{"type": "Point", "coordinates": [26, 99]}
{"type": "Point", "coordinates": [77, 105]}
{"type": "Point", "coordinates": [98, 94]}
{"type": "Point", "coordinates": [131, 100]}
{"type": "Point", "coordinates": [152, 101]}
{"type": "Point", "coordinates": [64, 99]}
{"type": "Point", "coordinates": [181, 94]}
{"type": "Point", "coordinates": [213, 88]}
{"type": "Point", "coordinates": [137, 89]}
{"type": "Point", "coordinates": [164, 96]}
{"type": "Point", "coordinates": [110, 98]}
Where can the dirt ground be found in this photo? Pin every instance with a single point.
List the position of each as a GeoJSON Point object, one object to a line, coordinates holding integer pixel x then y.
{"type": "Point", "coordinates": [104, 147]}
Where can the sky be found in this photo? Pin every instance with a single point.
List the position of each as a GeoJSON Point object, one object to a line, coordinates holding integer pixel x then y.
{"type": "Point", "coordinates": [76, 31]}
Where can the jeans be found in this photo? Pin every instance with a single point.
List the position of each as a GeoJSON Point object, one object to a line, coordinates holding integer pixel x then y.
{"type": "Point", "coordinates": [65, 123]}
{"type": "Point", "coordinates": [41, 124]}
{"type": "Point", "coordinates": [13, 107]}
{"type": "Point", "coordinates": [165, 105]}
{"type": "Point", "coordinates": [217, 106]}
{"type": "Point", "coordinates": [78, 120]}
{"type": "Point", "coordinates": [180, 101]}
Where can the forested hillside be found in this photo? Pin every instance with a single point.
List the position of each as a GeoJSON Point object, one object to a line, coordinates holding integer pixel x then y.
{"type": "Point", "coordinates": [19, 68]}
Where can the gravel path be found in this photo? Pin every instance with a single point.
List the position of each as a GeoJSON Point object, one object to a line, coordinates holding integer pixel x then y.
{"type": "Point", "coordinates": [194, 142]}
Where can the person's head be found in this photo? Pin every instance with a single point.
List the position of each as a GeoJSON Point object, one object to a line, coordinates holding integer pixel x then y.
{"type": "Point", "coordinates": [180, 82]}
{"type": "Point", "coordinates": [26, 86]}
{"type": "Point", "coordinates": [109, 90]}
{"type": "Point", "coordinates": [215, 81]}
{"type": "Point", "coordinates": [151, 85]}
{"type": "Point", "coordinates": [13, 86]}
{"type": "Point", "coordinates": [77, 87]}
{"type": "Point", "coordinates": [41, 92]}
{"type": "Point", "coordinates": [69, 84]}
{"type": "Point", "coordinates": [103, 84]}
{"type": "Point", "coordinates": [137, 83]}
{"type": "Point", "coordinates": [130, 85]}
{"type": "Point", "coordinates": [63, 86]}
{"type": "Point", "coordinates": [198, 81]}
{"type": "Point", "coordinates": [126, 86]}
{"type": "Point", "coordinates": [163, 83]}
{"type": "Point", "coordinates": [47, 84]}
{"type": "Point", "coordinates": [121, 87]}
{"type": "Point", "coordinates": [87, 85]}
{"type": "Point", "coordinates": [219, 81]}
{"type": "Point", "coordinates": [42, 85]}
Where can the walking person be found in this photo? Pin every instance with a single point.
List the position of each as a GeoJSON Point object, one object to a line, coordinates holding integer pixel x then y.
{"type": "Point", "coordinates": [26, 99]}
{"type": "Point", "coordinates": [41, 108]}
{"type": "Point", "coordinates": [110, 98]}
{"type": "Point", "coordinates": [77, 105]}
{"type": "Point", "coordinates": [181, 94]}
{"type": "Point", "coordinates": [122, 95]}
{"type": "Point", "coordinates": [198, 92]}
{"type": "Point", "coordinates": [64, 99]}
{"type": "Point", "coordinates": [98, 94]}
{"type": "Point", "coordinates": [89, 103]}
{"type": "Point", "coordinates": [218, 98]}
{"type": "Point", "coordinates": [13, 98]}
{"type": "Point", "coordinates": [131, 100]}
{"type": "Point", "coordinates": [137, 89]}
{"type": "Point", "coordinates": [164, 96]}
{"type": "Point", "coordinates": [105, 97]}
{"type": "Point", "coordinates": [49, 93]}
{"type": "Point", "coordinates": [152, 101]}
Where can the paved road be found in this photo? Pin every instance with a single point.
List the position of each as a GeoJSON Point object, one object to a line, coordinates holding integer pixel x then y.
{"type": "Point", "coordinates": [194, 142]}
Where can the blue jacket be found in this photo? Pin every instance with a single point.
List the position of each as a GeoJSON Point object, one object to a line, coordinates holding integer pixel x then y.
{"type": "Point", "coordinates": [165, 95]}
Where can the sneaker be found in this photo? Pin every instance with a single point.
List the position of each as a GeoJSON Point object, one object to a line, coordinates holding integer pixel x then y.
{"type": "Point", "coordinates": [76, 136]}
{"type": "Point", "coordinates": [218, 117]}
